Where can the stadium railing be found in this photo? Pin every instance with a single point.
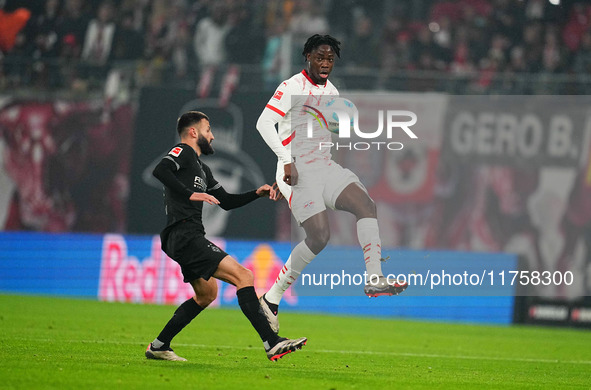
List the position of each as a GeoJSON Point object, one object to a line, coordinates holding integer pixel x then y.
{"type": "Point", "coordinates": [21, 73]}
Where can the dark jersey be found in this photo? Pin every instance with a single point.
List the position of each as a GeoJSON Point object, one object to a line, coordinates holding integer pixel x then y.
{"type": "Point", "coordinates": [193, 176]}
{"type": "Point", "coordinates": [183, 173]}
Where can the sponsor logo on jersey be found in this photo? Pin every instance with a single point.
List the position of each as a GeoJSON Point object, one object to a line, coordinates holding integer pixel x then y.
{"type": "Point", "coordinates": [176, 151]}
{"type": "Point", "coordinates": [214, 248]}
{"type": "Point", "coordinates": [278, 95]}
{"type": "Point", "coordinates": [199, 183]}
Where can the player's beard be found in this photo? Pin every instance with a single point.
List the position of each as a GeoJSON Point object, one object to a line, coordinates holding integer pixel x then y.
{"type": "Point", "coordinates": [204, 145]}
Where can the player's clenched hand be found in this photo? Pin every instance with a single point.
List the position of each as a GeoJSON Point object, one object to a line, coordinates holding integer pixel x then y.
{"type": "Point", "coordinates": [203, 197]}
{"type": "Point", "coordinates": [266, 191]}
{"type": "Point", "coordinates": [291, 174]}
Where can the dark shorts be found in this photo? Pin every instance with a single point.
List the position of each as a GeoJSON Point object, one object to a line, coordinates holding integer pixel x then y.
{"type": "Point", "coordinates": [197, 256]}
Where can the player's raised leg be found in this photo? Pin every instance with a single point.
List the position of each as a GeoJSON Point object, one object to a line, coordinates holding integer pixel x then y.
{"type": "Point", "coordinates": [355, 200]}
{"type": "Point", "coordinates": [317, 235]}
{"type": "Point", "coordinates": [276, 347]}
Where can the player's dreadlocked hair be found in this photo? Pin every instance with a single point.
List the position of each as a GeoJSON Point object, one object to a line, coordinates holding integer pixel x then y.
{"type": "Point", "coordinates": [316, 40]}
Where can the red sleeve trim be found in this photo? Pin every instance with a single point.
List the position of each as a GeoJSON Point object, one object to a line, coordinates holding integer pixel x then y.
{"type": "Point", "coordinates": [270, 107]}
{"type": "Point", "coordinates": [286, 141]}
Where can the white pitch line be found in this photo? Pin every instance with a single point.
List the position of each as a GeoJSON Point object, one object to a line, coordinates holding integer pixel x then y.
{"type": "Point", "coordinates": [466, 357]}
{"type": "Point", "coordinates": [344, 352]}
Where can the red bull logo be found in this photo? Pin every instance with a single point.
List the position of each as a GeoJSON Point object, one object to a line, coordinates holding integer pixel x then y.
{"type": "Point", "coordinates": [265, 265]}
{"type": "Point", "coordinates": [158, 279]}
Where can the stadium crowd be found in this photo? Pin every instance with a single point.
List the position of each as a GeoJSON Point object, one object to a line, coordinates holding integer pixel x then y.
{"type": "Point", "coordinates": [73, 43]}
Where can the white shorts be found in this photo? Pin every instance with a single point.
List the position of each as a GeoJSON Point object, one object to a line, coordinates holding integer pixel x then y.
{"type": "Point", "coordinates": [319, 185]}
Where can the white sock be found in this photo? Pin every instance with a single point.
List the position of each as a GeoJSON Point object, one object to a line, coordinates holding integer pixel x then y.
{"type": "Point", "coordinates": [299, 258]}
{"type": "Point", "coordinates": [368, 234]}
{"type": "Point", "coordinates": [157, 343]}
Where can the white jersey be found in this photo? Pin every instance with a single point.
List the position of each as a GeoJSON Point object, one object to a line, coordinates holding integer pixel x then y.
{"type": "Point", "coordinates": [293, 101]}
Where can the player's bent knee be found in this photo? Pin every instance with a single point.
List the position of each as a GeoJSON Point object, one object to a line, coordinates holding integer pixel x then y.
{"type": "Point", "coordinates": [318, 241]}
{"type": "Point", "coordinates": [206, 293]}
{"type": "Point", "coordinates": [205, 299]}
{"type": "Point", "coordinates": [209, 296]}
{"type": "Point", "coordinates": [366, 208]}
{"type": "Point", "coordinates": [371, 206]}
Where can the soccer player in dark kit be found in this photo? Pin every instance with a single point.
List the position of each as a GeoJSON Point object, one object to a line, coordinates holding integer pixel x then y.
{"type": "Point", "coordinates": [188, 182]}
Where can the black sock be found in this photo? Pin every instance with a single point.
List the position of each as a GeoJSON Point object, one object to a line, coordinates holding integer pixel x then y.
{"type": "Point", "coordinates": [181, 318]}
{"type": "Point", "coordinates": [274, 308]}
{"type": "Point", "coordinates": [249, 303]}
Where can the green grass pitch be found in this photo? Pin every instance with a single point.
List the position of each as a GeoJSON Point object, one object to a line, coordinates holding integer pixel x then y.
{"type": "Point", "coordinates": [58, 343]}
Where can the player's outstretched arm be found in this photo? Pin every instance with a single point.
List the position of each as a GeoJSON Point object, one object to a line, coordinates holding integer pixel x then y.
{"type": "Point", "coordinates": [233, 201]}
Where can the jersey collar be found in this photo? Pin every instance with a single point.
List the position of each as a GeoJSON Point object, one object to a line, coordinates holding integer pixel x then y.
{"type": "Point", "coordinates": [310, 80]}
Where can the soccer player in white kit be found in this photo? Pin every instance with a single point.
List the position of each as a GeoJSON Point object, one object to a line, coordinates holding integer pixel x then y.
{"type": "Point", "coordinates": [310, 180]}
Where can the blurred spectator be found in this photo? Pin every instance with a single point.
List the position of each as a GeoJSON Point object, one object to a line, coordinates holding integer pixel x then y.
{"type": "Point", "coordinates": [128, 43]}
{"type": "Point", "coordinates": [443, 33]}
{"type": "Point", "coordinates": [517, 62]}
{"type": "Point", "coordinates": [99, 35]}
{"type": "Point", "coordinates": [507, 18]}
{"type": "Point", "coordinates": [465, 37]}
{"type": "Point", "coordinates": [13, 44]}
{"type": "Point", "coordinates": [243, 45]}
{"type": "Point", "coordinates": [168, 22]}
{"type": "Point", "coordinates": [535, 10]}
{"type": "Point", "coordinates": [394, 49]}
{"type": "Point", "coordinates": [244, 38]}
{"type": "Point", "coordinates": [446, 8]}
{"type": "Point", "coordinates": [11, 25]}
{"type": "Point", "coordinates": [167, 51]}
{"type": "Point", "coordinates": [478, 32]}
{"type": "Point", "coordinates": [342, 16]}
{"type": "Point", "coordinates": [178, 22]}
{"type": "Point", "coordinates": [362, 47]}
{"type": "Point", "coordinates": [210, 35]}
{"type": "Point", "coordinates": [308, 19]}
{"type": "Point", "coordinates": [427, 55]}
{"type": "Point", "coordinates": [138, 9]}
{"type": "Point", "coordinates": [272, 62]}
{"type": "Point", "coordinates": [392, 32]}
{"type": "Point", "coordinates": [553, 61]}
{"type": "Point", "coordinates": [532, 42]}
{"type": "Point", "coordinates": [553, 55]}
{"type": "Point", "coordinates": [498, 49]}
{"type": "Point", "coordinates": [462, 57]}
{"type": "Point", "coordinates": [278, 12]}
{"type": "Point", "coordinates": [42, 33]}
{"type": "Point", "coordinates": [577, 24]}
{"type": "Point", "coordinates": [582, 60]}
{"type": "Point", "coordinates": [42, 37]}
{"type": "Point", "coordinates": [512, 80]}
{"type": "Point", "coordinates": [209, 45]}
{"type": "Point", "coordinates": [488, 69]}
{"type": "Point", "coordinates": [71, 28]}
{"type": "Point", "coordinates": [180, 55]}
